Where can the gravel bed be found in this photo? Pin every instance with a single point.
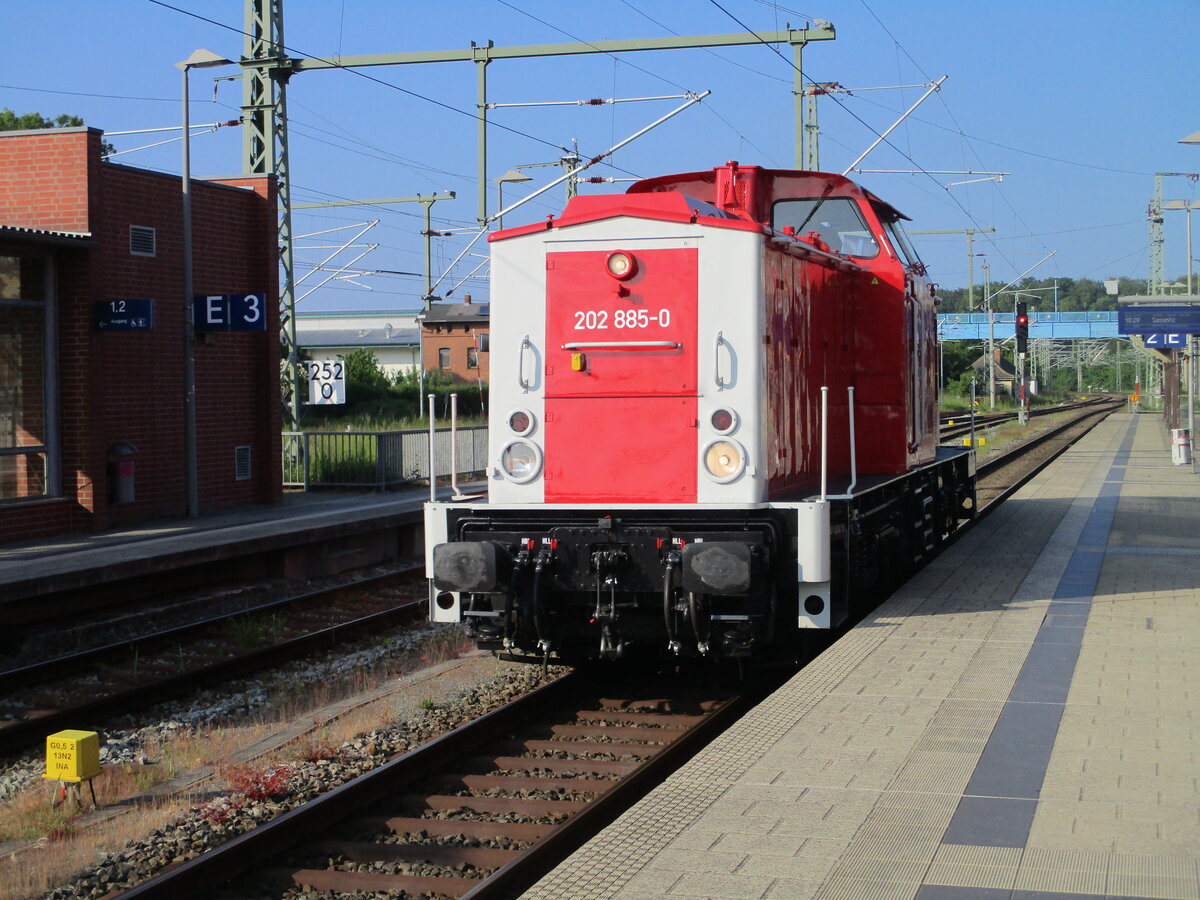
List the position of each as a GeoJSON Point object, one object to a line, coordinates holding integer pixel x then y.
{"type": "Point", "coordinates": [124, 741]}
{"type": "Point", "coordinates": [224, 817]}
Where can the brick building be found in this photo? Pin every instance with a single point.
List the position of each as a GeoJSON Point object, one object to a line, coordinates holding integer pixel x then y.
{"type": "Point", "coordinates": [454, 339]}
{"type": "Point", "coordinates": [91, 339]}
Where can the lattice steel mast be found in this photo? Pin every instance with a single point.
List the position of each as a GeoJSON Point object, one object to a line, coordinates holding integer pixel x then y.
{"type": "Point", "coordinates": [267, 68]}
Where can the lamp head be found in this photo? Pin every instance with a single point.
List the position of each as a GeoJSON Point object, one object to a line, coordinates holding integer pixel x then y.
{"type": "Point", "coordinates": [203, 59]}
{"type": "Point", "coordinates": [512, 176]}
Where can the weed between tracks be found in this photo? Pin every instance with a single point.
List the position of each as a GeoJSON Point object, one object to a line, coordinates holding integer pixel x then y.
{"type": "Point", "coordinates": [69, 838]}
{"type": "Point", "coordinates": [1008, 433]}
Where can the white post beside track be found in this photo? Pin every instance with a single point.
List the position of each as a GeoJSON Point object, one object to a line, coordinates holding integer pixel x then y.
{"type": "Point", "coordinates": [432, 467]}
{"type": "Point", "coordinates": [853, 445]}
{"type": "Point", "coordinates": [824, 440]}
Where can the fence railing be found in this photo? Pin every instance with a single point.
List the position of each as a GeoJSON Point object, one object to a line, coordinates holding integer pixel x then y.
{"type": "Point", "coordinates": [379, 459]}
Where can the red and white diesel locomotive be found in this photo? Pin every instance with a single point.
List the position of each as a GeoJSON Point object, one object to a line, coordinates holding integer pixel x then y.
{"type": "Point", "coordinates": [713, 423]}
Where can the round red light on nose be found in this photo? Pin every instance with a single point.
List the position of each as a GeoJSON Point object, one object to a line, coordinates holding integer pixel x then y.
{"type": "Point", "coordinates": [621, 265]}
{"type": "Point", "coordinates": [520, 422]}
{"type": "Point", "coordinates": [722, 420]}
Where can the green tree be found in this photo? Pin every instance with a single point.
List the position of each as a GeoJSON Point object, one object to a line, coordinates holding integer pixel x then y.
{"type": "Point", "coordinates": [957, 357]}
{"type": "Point", "coordinates": [10, 121]}
{"type": "Point", "coordinates": [363, 371]}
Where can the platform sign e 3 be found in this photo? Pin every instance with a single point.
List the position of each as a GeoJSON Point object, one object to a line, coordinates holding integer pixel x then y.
{"type": "Point", "coordinates": [326, 381]}
{"type": "Point", "coordinates": [229, 312]}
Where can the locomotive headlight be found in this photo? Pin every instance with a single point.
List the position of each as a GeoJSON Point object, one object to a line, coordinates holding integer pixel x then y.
{"type": "Point", "coordinates": [621, 265]}
{"type": "Point", "coordinates": [724, 460]}
{"type": "Point", "coordinates": [521, 461]}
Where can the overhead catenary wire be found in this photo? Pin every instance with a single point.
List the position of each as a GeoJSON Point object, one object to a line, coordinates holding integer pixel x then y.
{"type": "Point", "coordinates": [333, 63]}
{"type": "Point", "coordinates": [499, 214]}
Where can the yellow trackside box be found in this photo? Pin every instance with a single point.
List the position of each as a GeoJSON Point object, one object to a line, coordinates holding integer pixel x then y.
{"type": "Point", "coordinates": [73, 755]}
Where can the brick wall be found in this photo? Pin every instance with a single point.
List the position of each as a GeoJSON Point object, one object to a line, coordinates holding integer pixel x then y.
{"type": "Point", "coordinates": [128, 386]}
{"type": "Point", "coordinates": [457, 339]}
{"type": "Point", "coordinates": [44, 177]}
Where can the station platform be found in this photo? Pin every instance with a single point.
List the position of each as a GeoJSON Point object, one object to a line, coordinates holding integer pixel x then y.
{"type": "Point", "coordinates": [1018, 722]}
{"type": "Point", "coordinates": [86, 560]}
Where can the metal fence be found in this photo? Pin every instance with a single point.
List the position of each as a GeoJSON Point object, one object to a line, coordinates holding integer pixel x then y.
{"type": "Point", "coordinates": [378, 459]}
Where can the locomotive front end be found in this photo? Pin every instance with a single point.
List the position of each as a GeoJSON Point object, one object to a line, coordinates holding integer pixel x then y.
{"type": "Point", "coordinates": [627, 500]}
{"type": "Point", "coordinates": [713, 424]}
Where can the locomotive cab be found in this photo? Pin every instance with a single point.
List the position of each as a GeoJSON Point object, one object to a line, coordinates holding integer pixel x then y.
{"type": "Point", "coordinates": [713, 423]}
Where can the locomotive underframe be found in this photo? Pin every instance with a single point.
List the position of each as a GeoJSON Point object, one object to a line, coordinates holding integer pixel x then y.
{"type": "Point", "coordinates": [722, 582]}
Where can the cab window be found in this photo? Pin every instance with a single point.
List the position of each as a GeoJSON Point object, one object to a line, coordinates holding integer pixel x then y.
{"type": "Point", "coordinates": [836, 219]}
{"type": "Point", "coordinates": [899, 238]}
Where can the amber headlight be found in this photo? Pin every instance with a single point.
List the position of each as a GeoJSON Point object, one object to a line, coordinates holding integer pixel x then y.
{"type": "Point", "coordinates": [521, 461]}
{"type": "Point", "coordinates": [725, 460]}
{"type": "Point", "coordinates": [621, 265]}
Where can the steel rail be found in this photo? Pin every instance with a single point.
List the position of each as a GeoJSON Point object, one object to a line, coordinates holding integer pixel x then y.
{"type": "Point", "coordinates": [58, 666]}
{"type": "Point", "coordinates": [201, 875]}
{"type": "Point", "coordinates": [19, 735]}
{"type": "Point", "coordinates": [986, 420]}
{"type": "Point", "coordinates": [1007, 458]}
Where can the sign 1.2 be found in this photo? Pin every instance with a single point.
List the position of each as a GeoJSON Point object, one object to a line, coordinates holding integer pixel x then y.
{"type": "Point", "coordinates": [326, 382]}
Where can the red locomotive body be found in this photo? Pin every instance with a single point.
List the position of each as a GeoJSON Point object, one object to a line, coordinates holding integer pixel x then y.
{"type": "Point", "coordinates": [872, 327]}
{"type": "Point", "coordinates": [713, 422]}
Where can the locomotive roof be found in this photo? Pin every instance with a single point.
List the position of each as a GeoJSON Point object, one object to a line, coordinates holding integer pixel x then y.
{"type": "Point", "coordinates": [703, 185]}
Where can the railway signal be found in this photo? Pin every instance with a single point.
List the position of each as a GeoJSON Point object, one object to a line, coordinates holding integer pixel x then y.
{"type": "Point", "coordinates": [1022, 327]}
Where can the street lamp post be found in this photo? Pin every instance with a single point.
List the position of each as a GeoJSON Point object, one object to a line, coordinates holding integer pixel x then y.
{"type": "Point", "coordinates": [1193, 372]}
{"type": "Point", "coordinates": [1188, 207]}
{"type": "Point", "coordinates": [201, 59]}
{"type": "Point", "coordinates": [512, 176]}
{"type": "Point", "coordinates": [991, 336]}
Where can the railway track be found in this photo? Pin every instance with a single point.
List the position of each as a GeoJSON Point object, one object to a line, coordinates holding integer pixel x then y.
{"type": "Point", "coordinates": [481, 811]}
{"type": "Point", "coordinates": [1002, 475]}
{"type": "Point", "coordinates": [131, 674]}
{"type": "Point", "coordinates": [954, 425]}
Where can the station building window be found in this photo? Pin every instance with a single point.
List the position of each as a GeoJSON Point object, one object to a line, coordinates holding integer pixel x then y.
{"type": "Point", "coordinates": [27, 398]}
{"type": "Point", "coordinates": [444, 358]}
{"type": "Point", "coordinates": [472, 358]}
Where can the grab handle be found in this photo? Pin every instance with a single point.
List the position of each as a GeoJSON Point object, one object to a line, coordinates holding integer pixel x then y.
{"type": "Point", "coordinates": [521, 379]}
{"type": "Point", "coordinates": [622, 345]}
{"type": "Point", "coordinates": [721, 382]}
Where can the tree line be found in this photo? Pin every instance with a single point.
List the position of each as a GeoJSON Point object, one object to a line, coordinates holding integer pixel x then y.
{"type": "Point", "coordinates": [1074, 295]}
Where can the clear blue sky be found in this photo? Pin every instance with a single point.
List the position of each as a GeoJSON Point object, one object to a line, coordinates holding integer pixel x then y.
{"type": "Point", "coordinates": [1080, 100]}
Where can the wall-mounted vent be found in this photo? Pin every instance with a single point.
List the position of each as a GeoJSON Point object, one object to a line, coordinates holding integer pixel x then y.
{"type": "Point", "coordinates": [241, 463]}
{"type": "Point", "coordinates": [141, 240]}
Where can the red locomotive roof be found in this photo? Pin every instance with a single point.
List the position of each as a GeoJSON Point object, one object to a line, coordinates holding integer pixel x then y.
{"type": "Point", "coordinates": [672, 206]}
{"type": "Point", "coordinates": [753, 189]}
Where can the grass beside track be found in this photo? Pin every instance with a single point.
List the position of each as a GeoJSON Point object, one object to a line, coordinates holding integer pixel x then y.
{"type": "Point", "coordinates": [68, 838]}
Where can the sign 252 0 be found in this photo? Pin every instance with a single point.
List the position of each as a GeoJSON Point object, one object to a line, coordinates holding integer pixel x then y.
{"type": "Point", "coordinates": [326, 381]}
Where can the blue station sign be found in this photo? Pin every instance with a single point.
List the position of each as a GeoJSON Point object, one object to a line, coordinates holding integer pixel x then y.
{"type": "Point", "coordinates": [1166, 341]}
{"type": "Point", "coordinates": [229, 312]}
{"type": "Point", "coordinates": [123, 315]}
{"type": "Point", "coordinates": [1159, 320]}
